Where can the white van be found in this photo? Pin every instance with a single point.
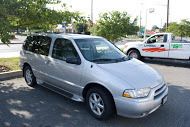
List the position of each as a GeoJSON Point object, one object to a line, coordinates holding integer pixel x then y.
{"type": "Point", "coordinates": [91, 69]}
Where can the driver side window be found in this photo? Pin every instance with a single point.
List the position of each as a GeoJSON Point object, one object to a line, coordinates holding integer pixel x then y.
{"type": "Point", "coordinates": [157, 39]}
{"type": "Point", "coordinates": [64, 49]}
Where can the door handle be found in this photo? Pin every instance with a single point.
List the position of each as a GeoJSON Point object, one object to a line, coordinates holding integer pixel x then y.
{"type": "Point", "coordinates": [161, 45]}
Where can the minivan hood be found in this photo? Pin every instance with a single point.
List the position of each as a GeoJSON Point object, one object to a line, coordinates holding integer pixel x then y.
{"type": "Point", "coordinates": [134, 72]}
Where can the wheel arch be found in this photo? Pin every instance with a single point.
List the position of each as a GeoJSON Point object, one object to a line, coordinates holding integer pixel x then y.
{"type": "Point", "coordinates": [91, 85]}
{"type": "Point", "coordinates": [24, 65]}
{"type": "Point", "coordinates": [133, 49]}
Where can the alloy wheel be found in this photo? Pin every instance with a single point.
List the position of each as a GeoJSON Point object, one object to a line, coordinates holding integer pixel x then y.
{"type": "Point", "coordinates": [96, 104]}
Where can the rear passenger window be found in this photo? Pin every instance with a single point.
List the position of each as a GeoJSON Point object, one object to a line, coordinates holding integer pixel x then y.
{"type": "Point", "coordinates": [28, 43]}
{"type": "Point", "coordinates": [63, 49]}
{"type": "Point", "coordinates": [38, 44]}
{"type": "Point", "coordinates": [44, 45]}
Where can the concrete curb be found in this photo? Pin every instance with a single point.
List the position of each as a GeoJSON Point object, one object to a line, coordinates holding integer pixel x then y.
{"type": "Point", "coordinates": [10, 75]}
{"type": "Point", "coordinates": [11, 43]}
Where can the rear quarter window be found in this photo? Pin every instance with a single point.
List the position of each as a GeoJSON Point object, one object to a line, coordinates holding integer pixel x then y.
{"type": "Point", "coordinates": [28, 43]}
{"type": "Point", "coordinates": [38, 44]}
{"type": "Point", "coordinates": [176, 39]}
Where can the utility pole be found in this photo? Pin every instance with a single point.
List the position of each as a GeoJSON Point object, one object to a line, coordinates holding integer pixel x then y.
{"type": "Point", "coordinates": [149, 10]}
{"type": "Point", "coordinates": [140, 16]}
{"type": "Point", "coordinates": [168, 8]}
{"type": "Point", "coordinates": [92, 9]}
{"type": "Point", "coordinates": [140, 22]}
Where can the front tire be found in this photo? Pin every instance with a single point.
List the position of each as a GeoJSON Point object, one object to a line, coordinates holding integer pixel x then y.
{"type": "Point", "coordinates": [133, 53]}
{"type": "Point", "coordinates": [100, 103]}
{"type": "Point", "coordinates": [29, 76]}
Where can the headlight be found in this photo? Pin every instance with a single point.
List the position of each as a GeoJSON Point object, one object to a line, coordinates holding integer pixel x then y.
{"type": "Point", "coordinates": [136, 93]}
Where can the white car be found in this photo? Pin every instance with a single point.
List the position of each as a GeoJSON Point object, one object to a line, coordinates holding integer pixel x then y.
{"type": "Point", "coordinates": [160, 45]}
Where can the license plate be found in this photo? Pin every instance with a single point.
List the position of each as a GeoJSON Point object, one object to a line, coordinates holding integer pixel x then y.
{"type": "Point", "coordinates": [164, 99]}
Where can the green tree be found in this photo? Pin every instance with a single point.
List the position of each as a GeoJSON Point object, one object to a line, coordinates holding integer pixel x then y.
{"type": "Point", "coordinates": [174, 28]}
{"type": "Point", "coordinates": [114, 25]}
{"type": "Point", "coordinates": [32, 14]}
{"type": "Point", "coordinates": [83, 25]}
{"type": "Point", "coordinates": [5, 25]}
{"type": "Point", "coordinates": [185, 27]}
{"type": "Point", "coordinates": [181, 29]}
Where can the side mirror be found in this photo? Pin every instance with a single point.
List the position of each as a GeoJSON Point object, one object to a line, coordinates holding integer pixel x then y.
{"type": "Point", "coordinates": [76, 61]}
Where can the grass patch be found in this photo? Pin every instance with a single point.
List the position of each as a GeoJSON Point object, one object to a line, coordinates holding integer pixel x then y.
{"type": "Point", "coordinates": [11, 63]}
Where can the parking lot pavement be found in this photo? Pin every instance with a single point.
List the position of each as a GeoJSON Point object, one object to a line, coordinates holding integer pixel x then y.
{"type": "Point", "coordinates": [11, 50]}
{"type": "Point", "coordinates": [21, 105]}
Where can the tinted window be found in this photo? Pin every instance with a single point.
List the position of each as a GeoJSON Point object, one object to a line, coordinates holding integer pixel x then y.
{"type": "Point", "coordinates": [28, 43]}
{"type": "Point", "coordinates": [44, 45]}
{"type": "Point", "coordinates": [63, 49]}
{"type": "Point", "coordinates": [38, 44]}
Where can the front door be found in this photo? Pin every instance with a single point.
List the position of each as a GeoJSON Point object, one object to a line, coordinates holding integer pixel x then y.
{"type": "Point", "coordinates": [156, 46]}
{"type": "Point", "coordinates": [60, 73]}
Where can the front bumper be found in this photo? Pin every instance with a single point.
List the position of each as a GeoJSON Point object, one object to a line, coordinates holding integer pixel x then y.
{"type": "Point", "coordinates": [137, 108]}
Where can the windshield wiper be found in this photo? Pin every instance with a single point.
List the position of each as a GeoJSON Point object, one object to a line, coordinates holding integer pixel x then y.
{"type": "Point", "coordinates": [122, 59]}
{"type": "Point", "coordinates": [112, 60]}
{"type": "Point", "coordinates": [97, 60]}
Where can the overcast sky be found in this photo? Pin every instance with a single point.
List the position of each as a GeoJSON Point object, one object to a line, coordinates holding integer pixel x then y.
{"type": "Point", "coordinates": [179, 9]}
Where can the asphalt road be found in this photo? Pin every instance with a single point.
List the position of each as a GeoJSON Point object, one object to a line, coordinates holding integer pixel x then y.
{"type": "Point", "coordinates": [13, 49]}
{"type": "Point", "coordinates": [23, 106]}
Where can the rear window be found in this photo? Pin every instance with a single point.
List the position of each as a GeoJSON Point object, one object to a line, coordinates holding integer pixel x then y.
{"type": "Point", "coordinates": [38, 44]}
{"type": "Point", "coordinates": [176, 39]}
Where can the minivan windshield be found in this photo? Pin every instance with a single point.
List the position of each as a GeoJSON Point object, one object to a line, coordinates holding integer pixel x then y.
{"type": "Point", "coordinates": [100, 50]}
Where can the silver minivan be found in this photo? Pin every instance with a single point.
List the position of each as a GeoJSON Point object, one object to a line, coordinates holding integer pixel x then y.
{"type": "Point", "coordinates": [92, 70]}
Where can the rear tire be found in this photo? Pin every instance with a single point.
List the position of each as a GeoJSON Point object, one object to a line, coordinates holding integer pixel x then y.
{"type": "Point", "coordinates": [29, 76]}
{"type": "Point", "coordinates": [134, 54]}
{"type": "Point", "coordinates": [100, 98]}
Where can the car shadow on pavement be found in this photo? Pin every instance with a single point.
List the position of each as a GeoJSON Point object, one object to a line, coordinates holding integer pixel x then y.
{"type": "Point", "coordinates": [167, 62]}
{"type": "Point", "coordinates": [36, 107]}
{"type": "Point", "coordinates": [23, 106]}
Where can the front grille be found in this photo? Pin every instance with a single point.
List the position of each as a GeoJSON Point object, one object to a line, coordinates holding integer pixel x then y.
{"type": "Point", "coordinates": [159, 88]}
{"type": "Point", "coordinates": [159, 91]}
